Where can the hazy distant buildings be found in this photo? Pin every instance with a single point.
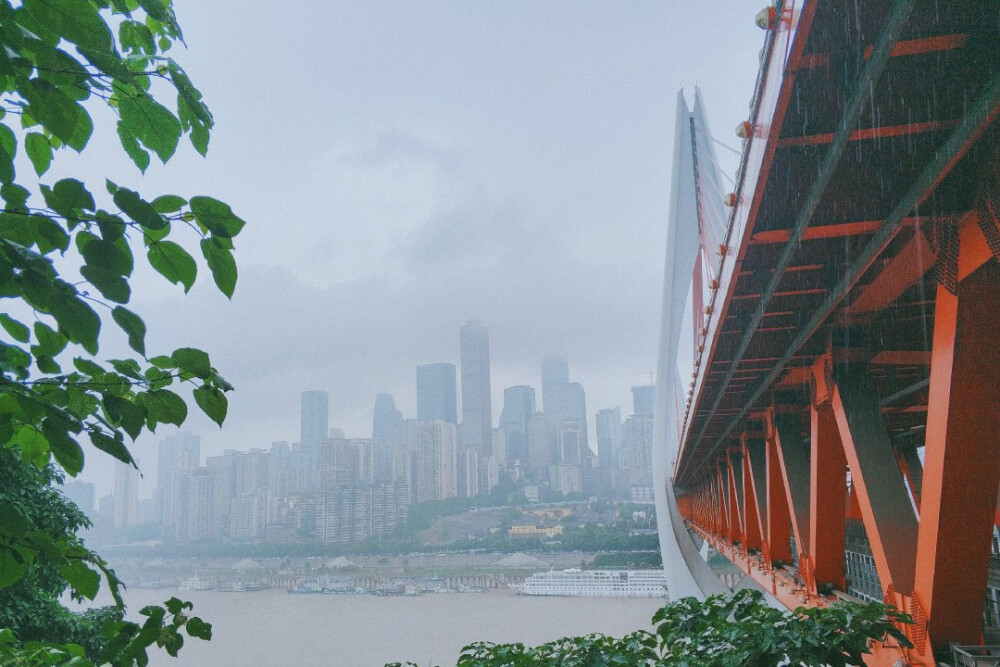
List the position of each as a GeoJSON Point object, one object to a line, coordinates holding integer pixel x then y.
{"type": "Point", "coordinates": [315, 419]}
{"type": "Point", "coordinates": [355, 513]}
{"type": "Point", "coordinates": [542, 446]}
{"type": "Point", "coordinates": [436, 395]}
{"type": "Point", "coordinates": [126, 504]}
{"type": "Point", "coordinates": [437, 476]}
{"type": "Point", "coordinates": [477, 410]}
{"type": "Point", "coordinates": [609, 435]}
{"type": "Point", "coordinates": [643, 399]}
{"type": "Point", "coordinates": [385, 418]}
{"type": "Point", "coordinates": [518, 409]}
{"type": "Point", "coordinates": [555, 373]}
{"type": "Point", "coordinates": [177, 454]}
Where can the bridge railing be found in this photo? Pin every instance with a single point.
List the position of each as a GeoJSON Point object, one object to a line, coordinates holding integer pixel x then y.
{"type": "Point", "coordinates": [976, 656]}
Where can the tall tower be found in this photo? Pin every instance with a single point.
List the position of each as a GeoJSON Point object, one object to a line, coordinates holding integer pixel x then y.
{"type": "Point", "coordinates": [555, 373]}
{"type": "Point", "coordinates": [436, 396]}
{"type": "Point", "coordinates": [176, 455]}
{"type": "Point", "coordinates": [477, 409]}
{"type": "Point", "coordinates": [609, 436]}
{"type": "Point", "coordinates": [643, 400]}
{"type": "Point", "coordinates": [126, 495]}
{"type": "Point", "coordinates": [385, 418]}
{"type": "Point", "coordinates": [518, 409]}
{"type": "Point", "coordinates": [315, 418]}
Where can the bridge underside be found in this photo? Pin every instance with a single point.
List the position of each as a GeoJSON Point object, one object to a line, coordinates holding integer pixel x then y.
{"type": "Point", "coordinates": [846, 380]}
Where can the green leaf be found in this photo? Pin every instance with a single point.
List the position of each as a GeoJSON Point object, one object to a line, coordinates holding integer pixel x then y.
{"type": "Point", "coordinates": [216, 216]}
{"type": "Point", "coordinates": [112, 257]}
{"type": "Point", "coordinates": [77, 21]}
{"type": "Point", "coordinates": [138, 209]}
{"type": "Point", "coordinates": [124, 412]}
{"type": "Point", "coordinates": [110, 284]}
{"type": "Point", "coordinates": [12, 566]}
{"type": "Point", "coordinates": [199, 629]}
{"type": "Point", "coordinates": [192, 360]}
{"type": "Point", "coordinates": [139, 156]}
{"type": "Point", "coordinates": [133, 326]}
{"type": "Point", "coordinates": [151, 123]}
{"type": "Point", "coordinates": [12, 522]}
{"type": "Point", "coordinates": [50, 343]}
{"type": "Point", "coordinates": [14, 195]}
{"type": "Point", "coordinates": [173, 263]}
{"type": "Point", "coordinates": [212, 402]}
{"type": "Point", "coordinates": [164, 406]}
{"type": "Point", "coordinates": [39, 151]}
{"type": "Point", "coordinates": [221, 264]}
{"type": "Point", "coordinates": [68, 197]}
{"type": "Point", "coordinates": [76, 320]}
{"type": "Point", "coordinates": [58, 113]}
{"type": "Point", "coordinates": [65, 449]}
{"type": "Point", "coordinates": [33, 445]}
{"type": "Point", "coordinates": [113, 446]}
{"type": "Point", "coordinates": [17, 330]}
{"type": "Point", "coordinates": [8, 148]}
{"type": "Point", "coordinates": [85, 581]}
{"type": "Point", "coordinates": [168, 203]}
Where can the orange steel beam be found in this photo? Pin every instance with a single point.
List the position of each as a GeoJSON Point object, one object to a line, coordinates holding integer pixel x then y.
{"type": "Point", "coordinates": [735, 521]}
{"type": "Point", "coordinates": [828, 485]}
{"type": "Point", "coordinates": [793, 456]}
{"type": "Point", "coordinates": [733, 459]}
{"type": "Point", "coordinates": [962, 458]}
{"type": "Point", "coordinates": [897, 276]}
{"type": "Point", "coordinates": [869, 133]}
{"type": "Point", "coordinates": [753, 488]}
{"type": "Point", "coordinates": [859, 228]}
{"type": "Point", "coordinates": [885, 505]}
{"type": "Point", "coordinates": [912, 469]}
{"type": "Point", "coordinates": [779, 521]}
{"type": "Point", "coordinates": [908, 47]}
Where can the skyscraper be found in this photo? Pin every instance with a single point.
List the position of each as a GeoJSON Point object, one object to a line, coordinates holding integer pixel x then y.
{"type": "Point", "coordinates": [176, 455]}
{"type": "Point", "coordinates": [477, 408]}
{"type": "Point", "coordinates": [315, 418]}
{"type": "Point", "coordinates": [385, 418]}
{"type": "Point", "coordinates": [126, 495]}
{"type": "Point", "coordinates": [643, 399]}
{"type": "Point", "coordinates": [518, 409]}
{"type": "Point", "coordinates": [436, 395]}
{"type": "Point", "coordinates": [609, 435]}
{"type": "Point", "coordinates": [555, 373]}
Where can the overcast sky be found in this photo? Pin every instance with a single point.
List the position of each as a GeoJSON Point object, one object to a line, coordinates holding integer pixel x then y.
{"type": "Point", "coordinates": [405, 166]}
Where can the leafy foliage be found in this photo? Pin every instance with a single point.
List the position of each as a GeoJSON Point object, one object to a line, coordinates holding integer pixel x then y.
{"type": "Point", "coordinates": [67, 253]}
{"type": "Point", "coordinates": [723, 631]}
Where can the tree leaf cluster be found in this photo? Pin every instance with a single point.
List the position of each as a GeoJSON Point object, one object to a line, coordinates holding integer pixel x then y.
{"type": "Point", "coordinates": [740, 630]}
{"type": "Point", "coordinates": [68, 252]}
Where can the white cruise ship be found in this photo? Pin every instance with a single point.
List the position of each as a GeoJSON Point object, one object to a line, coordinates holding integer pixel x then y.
{"type": "Point", "coordinates": [599, 583]}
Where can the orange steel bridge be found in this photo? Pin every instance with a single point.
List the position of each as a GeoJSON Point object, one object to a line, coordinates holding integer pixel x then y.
{"type": "Point", "coordinates": [847, 339]}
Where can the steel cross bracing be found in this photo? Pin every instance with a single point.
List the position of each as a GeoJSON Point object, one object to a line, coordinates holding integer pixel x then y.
{"type": "Point", "coordinates": [847, 374]}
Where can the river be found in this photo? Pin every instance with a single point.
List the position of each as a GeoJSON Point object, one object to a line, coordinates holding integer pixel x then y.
{"type": "Point", "coordinates": [274, 628]}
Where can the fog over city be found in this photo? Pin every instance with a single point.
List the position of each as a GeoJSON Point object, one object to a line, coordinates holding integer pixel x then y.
{"type": "Point", "coordinates": [405, 167]}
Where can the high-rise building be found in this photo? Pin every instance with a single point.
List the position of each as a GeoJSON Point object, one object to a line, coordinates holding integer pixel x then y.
{"type": "Point", "coordinates": [436, 396]}
{"type": "Point", "coordinates": [176, 455]}
{"type": "Point", "coordinates": [126, 495]}
{"type": "Point", "coordinates": [542, 446]}
{"type": "Point", "coordinates": [571, 407]}
{"type": "Point", "coordinates": [385, 417]}
{"type": "Point", "coordinates": [643, 399]}
{"type": "Point", "coordinates": [315, 425]}
{"type": "Point", "coordinates": [609, 435]}
{"type": "Point", "coordinates": [555, 373]}
{"type": "Point", "coordinates": [518, 409]}
{"type": "Point", "coordinates": [636, 455]}
{"type": "Point", "coordinates": [436, 461]}
{"type": "Point", "coordinates": [477, 408]}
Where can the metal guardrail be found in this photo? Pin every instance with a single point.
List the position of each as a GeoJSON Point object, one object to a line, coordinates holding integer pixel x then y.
{"type": "Point", "coordinates": [976, 656]}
